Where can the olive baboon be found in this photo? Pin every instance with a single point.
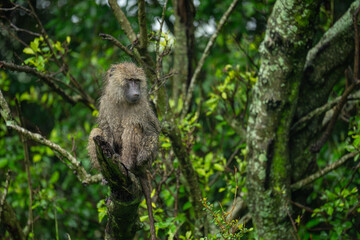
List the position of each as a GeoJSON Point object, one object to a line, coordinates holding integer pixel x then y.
{"type": "Point", "coordinates": [127, 121]}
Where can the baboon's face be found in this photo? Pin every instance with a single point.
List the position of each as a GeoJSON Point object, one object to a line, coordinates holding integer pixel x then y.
{"type": "Point", "coordinates": [126, 83]}
{"type": "Point", "coordinates": [132, 90]}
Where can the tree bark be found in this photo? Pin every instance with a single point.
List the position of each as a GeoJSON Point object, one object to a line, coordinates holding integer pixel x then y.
{"type": "Point", "coordinates": [275, 96]}
{"type": "Point", "coordinates": [125, 194]}
{"type": "Point", "coordinates": [325, 64]}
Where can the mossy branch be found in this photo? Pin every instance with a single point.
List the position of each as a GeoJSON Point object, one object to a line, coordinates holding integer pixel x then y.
{"type": "Point", "coordinates": [122, 20]}
{"type": "Point", "coordinates": [71, 162]}
{"type": "Point", "coordinates": [125, 195]}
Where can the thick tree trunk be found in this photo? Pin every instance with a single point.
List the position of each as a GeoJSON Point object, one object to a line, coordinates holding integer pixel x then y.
{"type": "Point", "coordinates": [275, 97]}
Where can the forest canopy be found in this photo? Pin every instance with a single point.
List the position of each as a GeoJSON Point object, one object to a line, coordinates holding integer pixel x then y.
{"type": "Point", "coordinates": [258, 106]}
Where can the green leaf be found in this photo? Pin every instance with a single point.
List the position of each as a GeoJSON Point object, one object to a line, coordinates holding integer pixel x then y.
{"type": "Point", "coordinates": [312, 223]}
{"type": "Point", "coordinates": [55, 177]}
{"type": "Point", "coordinates": [166, 145]}
{"type": "Point", "coordinates": [36, 158]}
{"type": "Point", "coordinates": [58, 46]}
{"type": "Point", "coordinates": [330, 211]}
{"type": "Point", "coordinates": [201, 171]}
{"type": "Point", "coordinates": [35, 45]}
{"type": "Point", "coordinates": [102, 214]}
{"type": "Point", "coordinates": [186, 206]}
{"type": "Point", "coordinates": [218, 167]}
{"type": "Point", "coordinates": [143, 218]}
{"type": "Point", "coordinates": [28, 51]}
{"type": "Point", "coordinates": [44, 98]}
{"type": "Point", "coordinates": [3, 162]}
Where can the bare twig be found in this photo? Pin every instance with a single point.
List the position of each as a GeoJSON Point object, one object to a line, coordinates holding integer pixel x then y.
{"type": "Point", "coordinates": [228, 162]}
{"type": "Point", "coordinates": [121, 46]}
{"type": "Point", "coordinates": [75, 165]}
{"type": "Point", "coordinates": [323, 171]}
{"type": "Point", "coordinates": [246, 54]}
{"type": "Point", "coordinates": [204, 56]}
{"type": "Point", "coordinates": [24, 30]}
{"type": "Point", "coordinates": [162, 81]}
{"type": "Point", "coordinates": [301, 123]}
{"type": "Point", "coordinates": [13, 35]}
{"type": "Point", "coordinates": [16, 6]}
{"type": "Point", "coordinates": [292, 222]}
{"type": "Point", "coordinates": [319, 143]}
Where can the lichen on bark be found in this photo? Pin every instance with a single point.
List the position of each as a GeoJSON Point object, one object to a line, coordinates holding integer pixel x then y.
{"type": "Point", "coordinates": [275, 95]}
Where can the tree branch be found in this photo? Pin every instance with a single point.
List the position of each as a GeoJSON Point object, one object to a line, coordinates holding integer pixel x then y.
{"type": "Point", "coordinates": [48, 79]}
{"type": "Point", "coordinates": [324, 57]}
{"type": "Point", "coordinates": [122, 20]}
{"type": "Point", "coordinates": [211, 42]}
{"type": "Point", "coordinates": [64, 68]}
{"type": "Point", "coordinates": [75, 165]}
{"type": "Point", "coordinates": [125, 196]}
{"type": "Point", "coordinates": [301, 123]}
{"type": "Point", "coordinates": [121, 46]}
{"type": "Point", "coordinates": [323, 171]}
{"type": "Point", "coordinates": [355, 82]}
{"type": "Point", "coordinates": [142, 26]}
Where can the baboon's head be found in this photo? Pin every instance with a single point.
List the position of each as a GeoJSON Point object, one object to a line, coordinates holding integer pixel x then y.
{"type": "Point", "coordinates": [126, 82]}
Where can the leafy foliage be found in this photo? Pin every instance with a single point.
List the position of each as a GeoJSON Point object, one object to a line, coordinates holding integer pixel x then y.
{"type": "Point", "coordinates": [213, 132]}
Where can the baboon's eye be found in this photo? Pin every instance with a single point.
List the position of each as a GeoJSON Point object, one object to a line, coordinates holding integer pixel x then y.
{"type": "Point", "coordinates": [134, 80]}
